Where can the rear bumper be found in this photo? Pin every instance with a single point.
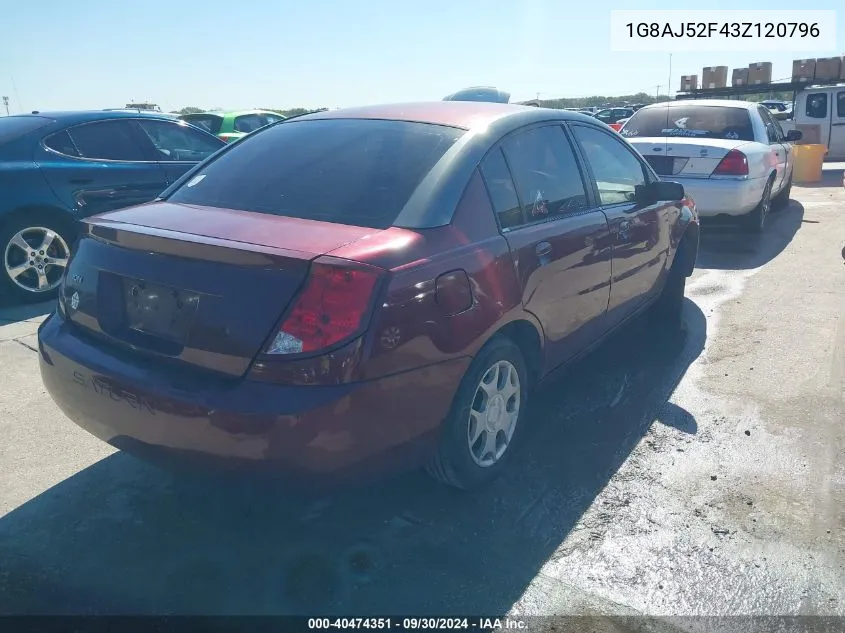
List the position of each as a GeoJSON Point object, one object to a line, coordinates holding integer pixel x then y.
{"type": "Point", "coordinates": [317, 433]}
{"type": "Point", "coordinates": [716, 196]}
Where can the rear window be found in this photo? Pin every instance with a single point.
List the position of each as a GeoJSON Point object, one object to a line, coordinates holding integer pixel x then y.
{"type": "Point", "coordinates": [15, 126]}
{"type": "Point", "coordinates": [350, 171]}
{"type": "Point", "coordinates": [694, 121]}
{"type": "Point", "coordinates": [208, 122]}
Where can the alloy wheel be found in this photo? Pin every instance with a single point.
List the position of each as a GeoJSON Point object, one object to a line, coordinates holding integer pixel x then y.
{"type": "Point", "coordinates": [494, 414]}
{"type": "Point", "coordinates": [35, 259]}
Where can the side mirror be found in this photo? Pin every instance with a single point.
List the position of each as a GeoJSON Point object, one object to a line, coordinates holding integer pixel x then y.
{"type": "Point", "coordinates": [660, 191]}
{"type": "Point", "coordinates": [794, 135]}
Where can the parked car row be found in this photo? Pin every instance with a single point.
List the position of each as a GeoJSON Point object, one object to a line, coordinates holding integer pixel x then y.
{"type": "Point", "coordinates": [423, 270]}
{"type": "Point", "coordinates": [230, 126]}
{"type": "Point", "coordinates": [59, 168]}
{"type": "Point", "coordinates": [384, 297]}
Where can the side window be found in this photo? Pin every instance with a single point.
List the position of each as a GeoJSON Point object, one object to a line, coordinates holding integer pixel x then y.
{"type": "Point", "coordinates": [107, 140]}
{"type": "Point", "coordinates": [251, 122]}
{"type": "Point", "coordinates": [545, 170]}
{"type": "Point", "coordinates": [60, 142]}
{"type": "Point", "coordinates": [616, 170]}
{"type": "Point", "coordinates": [772, 129]}
{"type": "Point", "coordinates": [817, 105]}
{"type": "Point", "coordinates": [178, 142]}
{"type": "Point", "coordinates": [502, 191]}
{"type": "Point", "coordinates": [840, 104]}
{"type": "Point", "coordinates": [211, 123]}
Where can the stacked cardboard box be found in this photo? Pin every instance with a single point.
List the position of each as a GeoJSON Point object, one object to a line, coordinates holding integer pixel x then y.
{"type": "Point", "coordinates": [828, 69]}
{"type": "Point", "coordinates": [714, 77]}
{"type": "Point", "coordinates": [689, 83]}
{"type": "Point", "coordinates": [739, 77]}
{"type": "Point", "coordinates": [760, 73]}
{"type": "Point", "coordinates": [803, 70]}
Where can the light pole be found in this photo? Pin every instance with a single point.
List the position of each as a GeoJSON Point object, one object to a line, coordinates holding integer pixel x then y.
{"type": "Point", "coordinates": [6, 103]}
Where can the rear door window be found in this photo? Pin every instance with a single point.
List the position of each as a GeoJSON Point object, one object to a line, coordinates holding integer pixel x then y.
{"type": "Point", "coordinates": [211, 123]}
{"type": "Point", "coordinates": [773, 131]}
{"type": "Point", "coordinates": [691, 121]}
{"type": "Point", "coordinates": [107, 140]}
{"type": "Point", "coordinates": [351, 171]}
{"type": "Point", "coordinates": [548, 179]}
{"type": "Point", "coordinates": [500, 186]}
{"type": "Point", "coordinates": [175, 142]}
{"type": "Point", "coordinates": [250, 122]}
{"type": "Point", "coordinates": [61, 143]}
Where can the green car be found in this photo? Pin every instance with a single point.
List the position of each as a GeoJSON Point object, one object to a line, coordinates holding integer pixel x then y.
{"type": "Point", "coordinates": [230, 126]}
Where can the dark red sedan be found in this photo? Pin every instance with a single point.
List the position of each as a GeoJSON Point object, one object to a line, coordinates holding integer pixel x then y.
{"type": "Point", "coordinates": [365, 289]}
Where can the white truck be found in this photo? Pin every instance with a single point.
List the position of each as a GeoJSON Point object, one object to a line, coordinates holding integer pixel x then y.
{"type": "Point", "coordinates": [822, 106]}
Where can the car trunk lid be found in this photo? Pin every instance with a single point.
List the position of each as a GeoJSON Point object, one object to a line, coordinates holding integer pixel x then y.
{"type": "Point", "coordinates": [200, 286]}
{"type": "Point", "coordinates": [684, 157]}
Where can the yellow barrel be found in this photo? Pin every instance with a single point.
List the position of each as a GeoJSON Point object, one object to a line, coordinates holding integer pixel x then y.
{"type": "Point", "coordinates": [809, 160]}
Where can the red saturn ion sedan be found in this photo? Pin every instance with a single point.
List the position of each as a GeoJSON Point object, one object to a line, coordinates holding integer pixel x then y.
{"type": "Point", "coordinates": [365, 289]}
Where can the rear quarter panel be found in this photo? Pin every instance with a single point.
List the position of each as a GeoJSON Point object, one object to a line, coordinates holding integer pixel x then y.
{"type": "Point", "coordinates": [23, 187]}
{"type": "Point", "coordinates": [761, 159]}
{"type": "Point", "coordinates": [410, 329]}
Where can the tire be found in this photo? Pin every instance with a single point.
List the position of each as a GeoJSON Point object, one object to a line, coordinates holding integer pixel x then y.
{"type": "Point", "coordinates": [781, 201]}
{"type": "Point", "coordinates": [21, 279]}
{"type": "Point", "coordinates": [755, 221]}
{"type": "Point", "coordinates": [668, 310]}
{"type": "Point", "coordinates": [464, 464]}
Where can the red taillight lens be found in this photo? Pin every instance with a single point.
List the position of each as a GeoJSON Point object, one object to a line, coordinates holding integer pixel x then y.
{"type": "Point", "coordinates": [735, 163]}
{"type": "Point", "coordinates": [332, 308]}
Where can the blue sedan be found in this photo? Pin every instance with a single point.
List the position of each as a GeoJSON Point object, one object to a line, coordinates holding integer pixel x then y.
{"type": "Point", "coordinates": [57, 168]}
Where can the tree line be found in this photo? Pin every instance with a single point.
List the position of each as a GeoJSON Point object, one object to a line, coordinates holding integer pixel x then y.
{"type": "Point", "coordinates": [566, 102]}
{"type": "Point", "coordinates": [285, 113]}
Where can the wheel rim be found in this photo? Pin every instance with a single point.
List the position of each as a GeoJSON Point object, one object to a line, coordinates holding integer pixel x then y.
{"type": "Point", "coordinates": [35, 259]}
{"type": "Point", "coordinates": [493, 414]}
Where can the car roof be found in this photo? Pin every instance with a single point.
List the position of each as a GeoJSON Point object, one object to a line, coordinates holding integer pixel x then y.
{"type": "Point", "coordinates": [723, 103]}
{"type": "Point", "coordinates": [82, 116]}
{"type": "Point", "coordinates": [466, 115]}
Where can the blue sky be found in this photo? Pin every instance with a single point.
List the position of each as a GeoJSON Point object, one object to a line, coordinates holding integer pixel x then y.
{"type": "Point", "coordinates": [73, 54]}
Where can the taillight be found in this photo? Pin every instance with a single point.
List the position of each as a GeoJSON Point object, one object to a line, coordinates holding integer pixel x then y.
{"type": "Point", "coordinates": [330, 310]}
{"type": "Point", "coordinates": [735, 163]}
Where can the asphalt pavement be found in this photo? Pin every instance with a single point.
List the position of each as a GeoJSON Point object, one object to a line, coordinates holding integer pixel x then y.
{"type": "Point", "coordinates": [694, 475]}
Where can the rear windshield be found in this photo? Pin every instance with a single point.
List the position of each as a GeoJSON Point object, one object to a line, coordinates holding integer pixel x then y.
{"type": "Point", "coordinates": [350, 171]}
{"type": "Point", "coordinates": [694, 121]}
{"type": "Point", "coordinates": [12, 127]}
{"type": "Point", "coordinates": [208, 122]}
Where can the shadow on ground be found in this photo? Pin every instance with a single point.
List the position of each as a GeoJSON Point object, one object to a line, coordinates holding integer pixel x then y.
{"type": "Point", "coordinates": [830, 178]}
{"type": "Point", "coordinates": [123, 537]}
{"type": "Point", "coordinates": [726, 246]}
{"type": "Point", "coordinates": [12, 312]}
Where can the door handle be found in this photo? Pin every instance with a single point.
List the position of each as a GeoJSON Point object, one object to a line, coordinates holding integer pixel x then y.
{"type": "Point", "coordinates": [81, 181]}
{"type": "Point", "coordinates": [543, 248]}
{"type": "Point", "coordinates": [838, 124]}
